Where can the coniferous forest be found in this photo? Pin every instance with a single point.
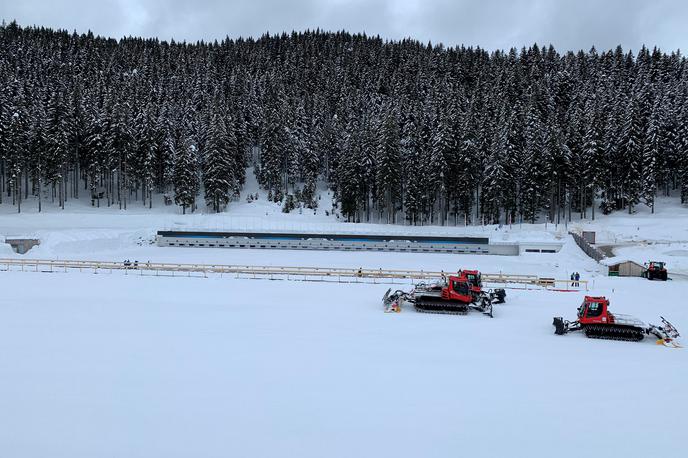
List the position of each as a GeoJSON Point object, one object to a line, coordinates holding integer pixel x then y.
{"type": "Point", "coordinates": [400, 131]}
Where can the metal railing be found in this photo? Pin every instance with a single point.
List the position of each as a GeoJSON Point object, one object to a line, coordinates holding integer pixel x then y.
{"type": "Point", "coordinates": [333, 274]}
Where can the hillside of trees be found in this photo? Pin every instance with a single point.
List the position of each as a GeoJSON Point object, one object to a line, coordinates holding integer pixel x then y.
{"type": "Point", "coordinates": [401, 131]}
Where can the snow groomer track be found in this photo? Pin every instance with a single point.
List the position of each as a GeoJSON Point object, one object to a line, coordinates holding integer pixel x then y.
{"type": "Point", "coordinates": [294, 273]}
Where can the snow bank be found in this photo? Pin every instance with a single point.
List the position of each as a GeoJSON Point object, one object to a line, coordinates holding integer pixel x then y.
{"type": "Point", "coordinates": [6, 250]}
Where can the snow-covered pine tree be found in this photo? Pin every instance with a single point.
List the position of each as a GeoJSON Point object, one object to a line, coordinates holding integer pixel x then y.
{"type": "Point", "coordinates": [144, 147]}
{"type": "Point", "coordinates": [592, 155]}
{"type": "Point", "coordinates": [464, 166]}
{"type": "Point", "coordinates": [556, 162]}
{"type": "Point", "coordinates": [164, 153]}
{"type": "Point", "coordinates": [297, 146]}
{"type": "Point", "coordinates": [218, 164]}
{"type": "Point", "coordinates": [650, 154]}
{"type": "Point", "coordinates": [495, 184]}
{"type": "Point", "coordinates": [413, 179]}
{"type": "Point", "coordinates": [532, 176]}
{"type": "Point", "coordinates": [388, 171]}
{"type": "Point", "coordinates": [77, 139]}
{"type": "Point", "coordinates": [37, 153]}
{"type": "Point", "coordinates": [57, 144]}
{"type": "Point", "coordinates": [514, 142]}
{"type": "Point", "coordinates": [121, 153]}
{"type": "Point", "coordinates": [273, 150]}
{"type": "Point", "coordinates": [632, 146]}
{"type": "Point", "coordinates": [442, 171]}
{"type": "Point", "coordinates": [97, 145]}
{"type": "Point", "coordinates": [668, 160]}
{"type": "Point", "coordinates": [350, 175]}
{"type": "Point", "coordinates": [237, 157]}
{"type": "Point", "coordinates": [17, 144]}
{"type": "Point", "coordinates": [310, 170]}
{"type": "Point", "coordinates": [682, 151]}
{"type": "Point", "coordinates": [611, 150]}
{"type": "Point", "coordinates": [367, 164]}
{"type": "Point", "coordinates": [185, 179]}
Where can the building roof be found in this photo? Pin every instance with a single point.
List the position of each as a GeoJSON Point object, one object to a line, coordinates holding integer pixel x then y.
{"type": "Point", "coordinates": [615, 261]}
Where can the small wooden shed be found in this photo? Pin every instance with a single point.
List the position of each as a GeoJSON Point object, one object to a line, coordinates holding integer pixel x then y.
{"type": "Point", "coordinates": [624, 268]}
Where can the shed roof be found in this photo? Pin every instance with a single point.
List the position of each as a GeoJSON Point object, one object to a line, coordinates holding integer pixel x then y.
{"type": "Point", "coordinates": [616, 261]}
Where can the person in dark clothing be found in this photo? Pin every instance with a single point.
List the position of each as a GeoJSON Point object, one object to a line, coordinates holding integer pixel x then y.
{"type": "Point", "coordinates": [573, 279]}
{"type": "Point", "coordinates": [577, 279]}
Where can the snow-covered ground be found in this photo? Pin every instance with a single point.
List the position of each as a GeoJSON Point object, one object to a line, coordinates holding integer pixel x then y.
{"type": "Point", "coordinates": [136, 366]}
{"type": "Point", "coordinates": [80, 220]}
{"type": "Point", "coordinates": [108, 365]}
{"type": "Point", "coordinates": [643, 236]}
{"type": "Point", "coordinates": [668, 224]}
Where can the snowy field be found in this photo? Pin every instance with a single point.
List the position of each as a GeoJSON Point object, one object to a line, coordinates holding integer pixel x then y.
{"type": "Point", "coordinates": [113, 365]}
{"type": "Point", "coordinates": [643, 237]}
{"type": "Point", "coordinates": [82, 231]}
{"type": "Point", "coordinates": [136, 366]}
{"type": "Point", "coordinates": [109, 228]}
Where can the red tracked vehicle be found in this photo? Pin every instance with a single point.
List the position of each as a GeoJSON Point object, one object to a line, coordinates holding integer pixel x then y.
{"type": "Point", "coordinates": [455, 294]}
{"type": "Point", "coordinates": [595, 319]}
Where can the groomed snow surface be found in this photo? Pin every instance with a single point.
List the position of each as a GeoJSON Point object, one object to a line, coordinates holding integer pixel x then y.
{"type": "Point", "coordinates": [114, 365]}
{"type": "Point", "coordinates": [135, 366]}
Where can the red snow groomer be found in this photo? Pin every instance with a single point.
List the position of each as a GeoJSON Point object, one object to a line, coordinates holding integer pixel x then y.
{"type": "Point", "coordinates": [453, 294]}
{"type": "Point", "coordinates": [595, 319]}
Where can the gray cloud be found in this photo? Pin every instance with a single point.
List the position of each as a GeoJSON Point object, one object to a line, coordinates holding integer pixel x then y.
{"type": "Point", "coordinates": [491, 24]}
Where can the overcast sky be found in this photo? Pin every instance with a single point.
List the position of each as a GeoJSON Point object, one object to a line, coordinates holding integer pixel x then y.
{"type": "Point", "coordinates": [491, 24]}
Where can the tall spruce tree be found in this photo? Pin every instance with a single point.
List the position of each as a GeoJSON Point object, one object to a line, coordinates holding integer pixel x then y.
{"type": "Point", "coordinates": [57, 144]}
{"type": "Point", "coordinates": [185, 178]}
{"type": "Point", "coordinates": [650, 155]}
{"type": "Point", "coordinates": [388, 172]}
{"type": "Point", "coordinates": [218, 166]}
{"type": "Point", "coordinates": [632, 146]}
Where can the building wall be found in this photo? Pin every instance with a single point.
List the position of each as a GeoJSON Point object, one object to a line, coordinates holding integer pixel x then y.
{"type": "Point", "coordinates": [539, 247]}
{"type": "Point", "coordinates": [504, 249]}
{"type": "Point", "coordinates": [325, 242]}
{"type": "Point", "coordinates": [630, 269]}
{"type": "Point", "coordinates": [322, 244]}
